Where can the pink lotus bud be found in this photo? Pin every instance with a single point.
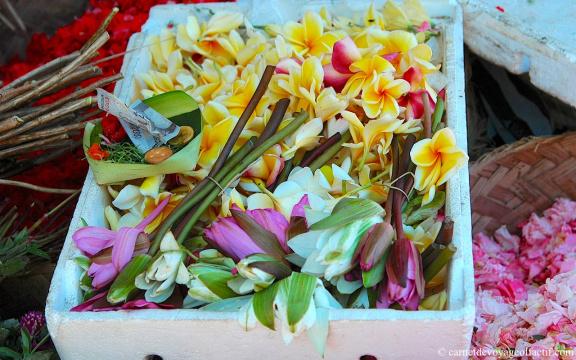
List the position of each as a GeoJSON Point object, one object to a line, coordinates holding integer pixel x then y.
{"type": "Point", "coordinates": [333, 78]}
{"type": "Point", "coordinates": [374, 244]}
{"type": "Point", "coordinates": [344, 53]}
{"type": "Point", "coordinates": [405, 284]}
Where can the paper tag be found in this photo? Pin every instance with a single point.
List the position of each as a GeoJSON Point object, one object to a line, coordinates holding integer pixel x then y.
{"type": "Point", "coordinates": [145, 126]}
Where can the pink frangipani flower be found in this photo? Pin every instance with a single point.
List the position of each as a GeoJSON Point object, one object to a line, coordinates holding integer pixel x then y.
{"type": "Point", "coordinates": [92, 240]}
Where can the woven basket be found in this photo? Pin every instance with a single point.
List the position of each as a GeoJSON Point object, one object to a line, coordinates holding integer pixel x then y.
{"type": "Point", "coordinates": [515, 180]}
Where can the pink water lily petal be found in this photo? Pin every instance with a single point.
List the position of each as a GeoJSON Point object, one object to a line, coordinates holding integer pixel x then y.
{"type": "Point", "coordinates": [148, 219]}
{"type": "Point", "coordinates": [344, 53]}
{"type": "Point", "coordinates": [123, 249]}
{"type": "Point", "coordinates": [227, 235]}
{"type": "Point", "coordinates": [274, 222]}
{"type": "Point", "coordinates": [298, 209]}
{"type": "Point", "coordinates": [88, 305]}
{"type": "Point", "coordinates": [333, 78]}
{"type": "Point", "coordinates": [93, 239]}
{"type": "Point", "coordinates": [102, 275]}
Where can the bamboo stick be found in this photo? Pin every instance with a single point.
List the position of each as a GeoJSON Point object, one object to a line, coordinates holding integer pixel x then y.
{"type": "Point", "coordinates": [9, 124]}
{"type": "Point", "coordinates": [46, 118]}
{"type": "Point", "coordinates": [42, 134]}
{"type": "Point", "coordinates": [36, 145]}
{"type": "Point", "coordinates": [76, 94]}
{"type": "Point", "coordinates": [41, 70]}
{"type": "Point", "coordinates": [55, 79]}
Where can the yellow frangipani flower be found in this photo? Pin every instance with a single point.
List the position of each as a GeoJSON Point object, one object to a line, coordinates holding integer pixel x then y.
{"type": "Point", "coordinates": [396, 41]}
{"type": "Point", "coordinates": [150, 204]}
{"type": "Point", "coordinates": [394, 17]}
{"type": "Point", "coordinates": [242, 92]}
{"type": "Point", "coordinates": [379, 99]}
{"type": "Point", "coordinates": [213, 80]}
{"type": "Point", "coordinates": [218, 124]}
{"type": "Point", "coordinates": [231, 198]}
{"type": "Point", "coordinates": [302, 84]}
{"type": "Point", "coordinates": [418, 56]}
{"type": "Point", "coordinates": [436, 160]}
{"type": "Point", "coordinates": [161, 46]}
{"type": "Point", "coordinates": [364, 72]}
{"type": "Point", "coordinates": [243, 52]}
{"type": "Point", "coordinates": [306, 137]}
{"type": "Point", "coordinates": [374, 132]}
{"type": "Point", "coordinates": [203, 40]}
{"type": "Point", "coordinates": [329, 104]}
{"type": "Point", "coordinates": [175, 78]}
{"type": "Point", "coordinates": [373, 17]}
{"type": "Point", "coordinates": [309, 37]}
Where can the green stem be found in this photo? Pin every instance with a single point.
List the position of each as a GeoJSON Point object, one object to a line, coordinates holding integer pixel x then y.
{"type": "Point", "coordinates": [443, 258]}
{"type": "Point", "coordinates": [330, 152]}
{"type": "Point", "coordinates": [437, 115]}
{"type": "Point", "coordinates": [201, 190]}
{"type": "Point", "coordinates": [239, 168]}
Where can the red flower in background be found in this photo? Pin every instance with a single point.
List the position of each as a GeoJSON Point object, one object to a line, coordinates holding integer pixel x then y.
{"type": "Point", "coordinates": [112, 129]}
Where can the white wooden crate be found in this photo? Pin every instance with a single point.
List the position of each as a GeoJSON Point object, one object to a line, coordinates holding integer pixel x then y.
{"type": "Point", "coordinates": [194, 334]}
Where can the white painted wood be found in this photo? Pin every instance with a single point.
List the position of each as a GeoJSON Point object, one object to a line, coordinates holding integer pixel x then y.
{"type": "Point", "coordinates": [193, 334]}
{"type": "Point", "coordinates": [535, 37]}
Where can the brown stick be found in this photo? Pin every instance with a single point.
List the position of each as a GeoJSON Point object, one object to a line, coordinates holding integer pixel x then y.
{"type": "Point", "coordinates": [79, 75]}
{"type": "Point", "coordinates": [37, 145]}
{"type": "Point", "coordinates": [246, 114]}
{"type": "Point", "coordinates": [76, 94]}
{"type": "Point", "coordinates": [274, 121]}
{"type": "Point", "coordinates": [14, 15]}
{"type": "Point", "coordinates": [41, 134]}
{"type": "Point", "coordinates": [101, 29]}
{"type": "Point", "coordinates": [9, 124]}
{"type": "Point", "coordinates": [61, 74]}
{"type": "Point", "coordinates": [23, 165]}
{"type": "Point", "coordinates": [41, 70]}
{"type": "Point", "coordinates": [8, 94]}
{"type": "Point", "coordinates": [36, 187]}
{"type": "Point", "coordinates": [7, 22]}
{"type": "Point", "coordinates": [46, 118]}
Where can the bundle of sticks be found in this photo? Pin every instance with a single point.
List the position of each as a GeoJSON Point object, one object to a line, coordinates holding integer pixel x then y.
{"type": "Point", "coordinates": [26, 127]}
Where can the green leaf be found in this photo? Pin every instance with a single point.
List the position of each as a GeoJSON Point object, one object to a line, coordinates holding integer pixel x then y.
{"type": "Point", "coordinates": [123, 286]}
{"type": "Point", "coordinates": [412, 205]}
{"type": "Point", "coordinates": [13, 266]}
{"type": "Point", "coordinates": [301, 290]}
{"type": "Point", "coordinates": [269, 264]}
{"type": "Point", "coordinates": [373, 276]}
{"type": "Point", "coordinates": [263, 304]}
{"type": "Point", "coordinates": [318, 333]}
{"type": "Point", "coordinates": [217, 282]}
{"type": "Point", "coordinates": [33, 249]}
{"type": "Point", "coordinates": [347, 211]}
{"type": "Point", "coordinates": [83, 222]}
{"type": "Point", "coordinates": [41, 355]}
{"type": "Point", "coordinates": [427, 210]}
{"type": "Point", "coordinates": [178, 107]}
{"type": "Point", "coordinates": [95, 134]}
{"type": "Point", "coordinates": [26, 341]}
{"type": "Point", "coordinates": [228, 305]}
{"type": "Point", "coordinates": [82, 261]}
{"type": "Point", "coordinates": [7, 353]}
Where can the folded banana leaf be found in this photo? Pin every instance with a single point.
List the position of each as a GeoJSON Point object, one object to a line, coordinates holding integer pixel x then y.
{"type": "Point", "coordinates": [178, 107]}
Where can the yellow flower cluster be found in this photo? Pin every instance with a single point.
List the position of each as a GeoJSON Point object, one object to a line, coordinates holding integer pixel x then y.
{"type": "Point", "coordinates": [365, 77]}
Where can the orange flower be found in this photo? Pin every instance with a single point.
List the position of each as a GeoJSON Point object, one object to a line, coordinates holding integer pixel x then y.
{"type": "Point", "coordinates": [97, 153]}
